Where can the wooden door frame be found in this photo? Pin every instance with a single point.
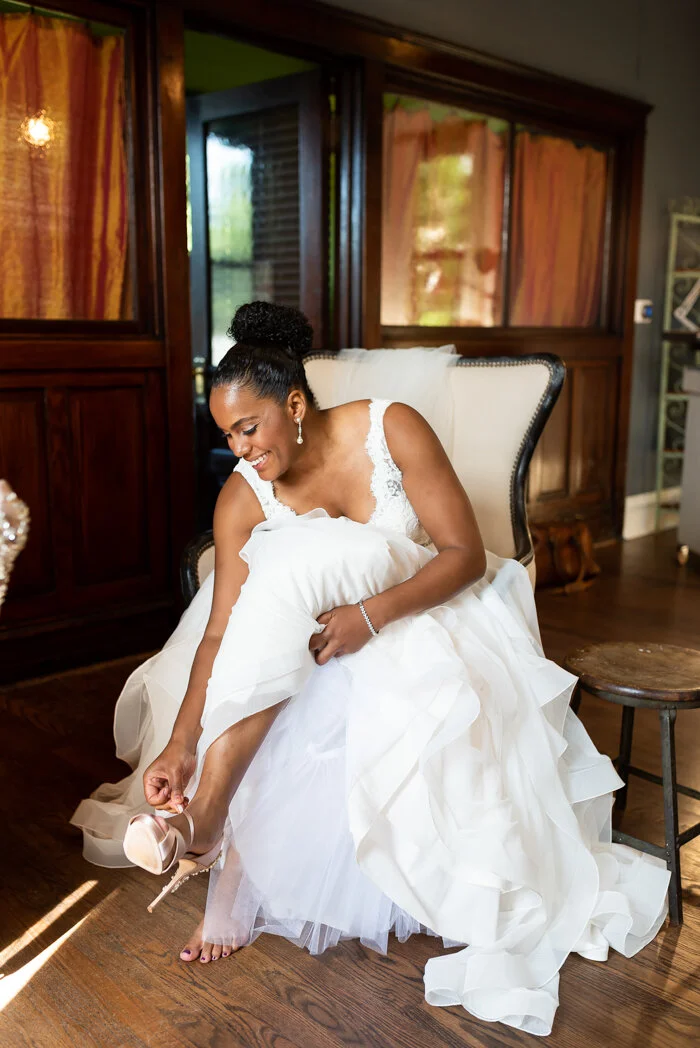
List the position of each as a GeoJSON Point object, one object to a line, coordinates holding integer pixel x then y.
{"type": "Point", "coordinates": [304, 89]}
{"type": "Point", "coordinates": [169, 157]}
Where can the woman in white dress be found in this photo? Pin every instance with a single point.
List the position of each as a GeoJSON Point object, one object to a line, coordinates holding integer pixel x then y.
{"type": "Point", "coordinates": [354, 726]}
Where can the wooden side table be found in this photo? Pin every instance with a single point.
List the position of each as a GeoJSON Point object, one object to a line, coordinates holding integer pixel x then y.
{"type": "Point", "coordinates": [660, 677]}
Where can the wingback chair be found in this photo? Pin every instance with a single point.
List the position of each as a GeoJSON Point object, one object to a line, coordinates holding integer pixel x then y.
{"type": "Point", "coordinates": [499, 408]}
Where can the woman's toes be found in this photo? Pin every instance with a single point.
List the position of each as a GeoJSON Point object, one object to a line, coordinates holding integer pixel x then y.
{"type": "Point", "coordinates": [216, 951]}
{"type": "Point", "coordinates": [193, 947]}
{"type": "Point", "coordinates": [205, 955]}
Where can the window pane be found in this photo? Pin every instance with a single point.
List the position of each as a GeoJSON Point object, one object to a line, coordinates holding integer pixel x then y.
{"type": "Point", "coordinates": [64, 222]}
{"type": "Point", "coordinates": [253, 202]}
{"type": "Point", "coordinates": [442, 215]}
{"type": "Point", "coordinates": [558, 232]}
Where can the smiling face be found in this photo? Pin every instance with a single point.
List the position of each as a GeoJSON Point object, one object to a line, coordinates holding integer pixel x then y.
{"type": "Point", "coordinates": [259, 429]}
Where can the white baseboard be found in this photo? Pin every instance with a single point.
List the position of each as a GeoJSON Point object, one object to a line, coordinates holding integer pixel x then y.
{"type": "Point", "coordinates": [640, 513]}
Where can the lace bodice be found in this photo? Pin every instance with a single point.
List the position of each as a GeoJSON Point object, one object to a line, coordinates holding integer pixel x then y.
{"type": "Point", "coordinates": [392, 509]}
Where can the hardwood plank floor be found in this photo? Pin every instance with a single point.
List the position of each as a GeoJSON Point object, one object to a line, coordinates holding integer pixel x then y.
{"type": "Point", "coordinates": [85, 965]}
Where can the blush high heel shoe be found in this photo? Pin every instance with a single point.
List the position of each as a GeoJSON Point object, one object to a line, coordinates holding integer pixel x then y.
{"type": "Point", "coordinates": [156, 850]}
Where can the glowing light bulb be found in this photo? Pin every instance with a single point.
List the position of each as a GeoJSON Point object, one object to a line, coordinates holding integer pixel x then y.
{"type": "Point", "coordinates": [38, 130]}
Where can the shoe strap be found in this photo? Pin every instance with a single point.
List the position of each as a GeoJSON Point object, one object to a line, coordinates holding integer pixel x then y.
{"type": "Point", "coordinates": [190, 822]}
{"type": "Point", "coordinates": [181, 846]}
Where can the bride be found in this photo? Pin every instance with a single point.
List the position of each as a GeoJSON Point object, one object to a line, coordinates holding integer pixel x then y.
{"type": "Point", "coordinates": [354, 726]}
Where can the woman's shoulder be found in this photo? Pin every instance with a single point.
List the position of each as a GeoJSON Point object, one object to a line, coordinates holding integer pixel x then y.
{"type": "Point", "coordinates": [237, 509]}
{"type": "Point", "coordinates": [407, 433]}
{"type": "Point", "coordinates": [400, 420]}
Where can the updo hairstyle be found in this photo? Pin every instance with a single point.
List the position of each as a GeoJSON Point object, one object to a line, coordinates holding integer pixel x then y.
{"type": "Point", "coordinates": [268, 357]}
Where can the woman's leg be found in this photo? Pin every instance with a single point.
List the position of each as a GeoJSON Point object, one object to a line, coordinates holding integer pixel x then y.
{"type": "Point", "coordinates": [225, 763]}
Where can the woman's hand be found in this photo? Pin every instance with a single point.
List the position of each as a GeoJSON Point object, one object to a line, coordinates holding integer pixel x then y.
{"type": "Point", "coordinates": [346, 632]}
{"type": "Point", "coordinates": [164, 781]}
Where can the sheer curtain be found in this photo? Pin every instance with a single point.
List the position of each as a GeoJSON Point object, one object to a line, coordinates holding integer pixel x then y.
{"type": "Point", "coordinates": [406, 136]}
{"type": "Point", "coordinates": [64, 219]}
{"type": "Point", "coordinates": [558, 232]}
{"type": "Point", "coordinates": [442, 219]}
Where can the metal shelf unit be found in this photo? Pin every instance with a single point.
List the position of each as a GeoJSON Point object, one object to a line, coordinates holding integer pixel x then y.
{"type": "Point", "coordinates": [679, 319]}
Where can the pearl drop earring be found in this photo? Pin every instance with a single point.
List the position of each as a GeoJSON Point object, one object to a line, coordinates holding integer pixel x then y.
{"type": "Point", "coordinates": [300, 439]}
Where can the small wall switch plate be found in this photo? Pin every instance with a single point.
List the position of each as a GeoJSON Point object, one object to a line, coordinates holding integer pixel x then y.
{"type": "Point", "coordinates": [643, 311]}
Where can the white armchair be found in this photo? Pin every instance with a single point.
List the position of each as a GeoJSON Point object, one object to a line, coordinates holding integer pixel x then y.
{"type": "Point", "coordinates": [499, 406]}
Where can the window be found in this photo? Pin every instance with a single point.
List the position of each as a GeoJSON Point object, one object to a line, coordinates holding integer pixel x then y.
{"type": "Point", "coordinates": [443, 182]}
{"type": "Point", "coordinates": [253, 212]}
{"type": "Point", "coordinates": [444, 232]}
{"type": "Point", "coordinates": [64, 224]}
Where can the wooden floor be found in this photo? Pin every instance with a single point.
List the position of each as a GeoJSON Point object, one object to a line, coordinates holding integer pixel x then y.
{"type": "Point", "coordinates": [85, 965]}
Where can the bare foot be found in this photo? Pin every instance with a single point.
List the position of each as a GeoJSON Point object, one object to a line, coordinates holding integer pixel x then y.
{"type": "Point", "coordinates": [195, 947]}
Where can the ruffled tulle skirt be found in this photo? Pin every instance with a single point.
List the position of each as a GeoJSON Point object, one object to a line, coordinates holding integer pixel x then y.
{"type": "Point", "coordinates": [435, 781]}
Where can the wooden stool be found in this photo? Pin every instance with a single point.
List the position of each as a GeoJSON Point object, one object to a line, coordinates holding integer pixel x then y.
{"type": "Point", "coordinates": [658, 677]}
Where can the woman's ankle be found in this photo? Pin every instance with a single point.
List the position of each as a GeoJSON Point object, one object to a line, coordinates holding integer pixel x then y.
{"type": "Point", "coordinates": [208, 822]}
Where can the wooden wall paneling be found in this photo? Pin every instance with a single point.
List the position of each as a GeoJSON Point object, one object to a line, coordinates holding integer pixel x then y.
{"type": "Point", "coordinates": [110, 502]}
{"type": "Point", "coordinates": [38, 353]}
{"type": "Point", "coordinates": [169, 146]}
{"type": "Point", "coordinates": [359, 87]}
{"type": "Point", "coordinates": [373, 173]}
{"type": "Point", "coordinates": [568, 343]}
{"type": "Point", "coordinates": [23, 458]}
{"type": "Point", "coordinates": [548, 477]}
{"type": "Point", "coordinates": [158, 517]}
{"type": "Point", "coordinates": [349, 208]}
{"type": "Point", "coordinates": [630, 164]}
{"type": "Point", "coordinates": [92, 468]}
{"type": "Point", "coordinates": [314, 141]}
{"type": "Point", "coordinates": [594, 393]}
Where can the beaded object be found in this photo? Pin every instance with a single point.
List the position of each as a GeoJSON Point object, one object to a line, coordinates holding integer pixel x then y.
{"type": "Point", "coordinates": [14, 528]}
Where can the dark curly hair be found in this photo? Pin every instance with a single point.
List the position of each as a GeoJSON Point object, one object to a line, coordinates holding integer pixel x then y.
{"type": "Point", "coordinates": [268, 357]}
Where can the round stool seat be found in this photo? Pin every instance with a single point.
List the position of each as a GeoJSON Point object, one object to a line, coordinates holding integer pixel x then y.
{"type": "Point", "coordinates": [659, 676]}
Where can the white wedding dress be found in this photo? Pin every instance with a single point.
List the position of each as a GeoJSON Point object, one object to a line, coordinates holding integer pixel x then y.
{"type": "Point", "coordinates": [436, 780]}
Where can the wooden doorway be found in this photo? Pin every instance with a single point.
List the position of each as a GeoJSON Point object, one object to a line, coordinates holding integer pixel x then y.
{"type": "Point", "coordinates": [258, 213]}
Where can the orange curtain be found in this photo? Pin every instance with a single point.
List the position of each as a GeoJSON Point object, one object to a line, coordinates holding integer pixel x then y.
{"type": "Point", "coordinates": [64, 218]}
{"type": "Point", "coordinates": [441, 229]}
{"type": "Point", "coordinates": [558, 232]}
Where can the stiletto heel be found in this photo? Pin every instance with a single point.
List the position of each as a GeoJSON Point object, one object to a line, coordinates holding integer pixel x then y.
{"type": "Point", "coordinates": [147, 845]}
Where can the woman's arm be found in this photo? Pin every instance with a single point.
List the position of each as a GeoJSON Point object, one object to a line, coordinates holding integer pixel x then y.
{"type": "Point", "coordinates": [445, 512]}
{"type": "Point", "coordinates": [236, 514]}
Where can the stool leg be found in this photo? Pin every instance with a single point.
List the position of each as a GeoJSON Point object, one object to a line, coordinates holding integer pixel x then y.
{"type": "Point", "coordinates": [673, 856]}
{"type": "Point", "coordinates": [623, 760]}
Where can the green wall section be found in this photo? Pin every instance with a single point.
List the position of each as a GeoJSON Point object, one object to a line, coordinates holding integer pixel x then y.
{"type": "Point", "coordinates": [216, 63]}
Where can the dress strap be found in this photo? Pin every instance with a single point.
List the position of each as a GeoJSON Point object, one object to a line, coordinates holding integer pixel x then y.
{"type": "Point", "coordinates": [385, 474]}
{"type": "Point", "coordinates": [264, 489]}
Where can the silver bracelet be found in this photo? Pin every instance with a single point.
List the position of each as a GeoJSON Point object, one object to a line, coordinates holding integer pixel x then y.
{"type": "Point", "coordinates": [365, 616]}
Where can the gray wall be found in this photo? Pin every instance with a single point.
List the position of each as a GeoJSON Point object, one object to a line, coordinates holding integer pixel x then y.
{"type": "Point", "coordinates": [646, 49]}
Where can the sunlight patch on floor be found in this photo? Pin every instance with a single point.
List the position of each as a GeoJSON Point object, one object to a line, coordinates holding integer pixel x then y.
{"type": "Point", "coordinates": [10, 985]}
{"type": "Point", "coordinates": [45, 922]}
